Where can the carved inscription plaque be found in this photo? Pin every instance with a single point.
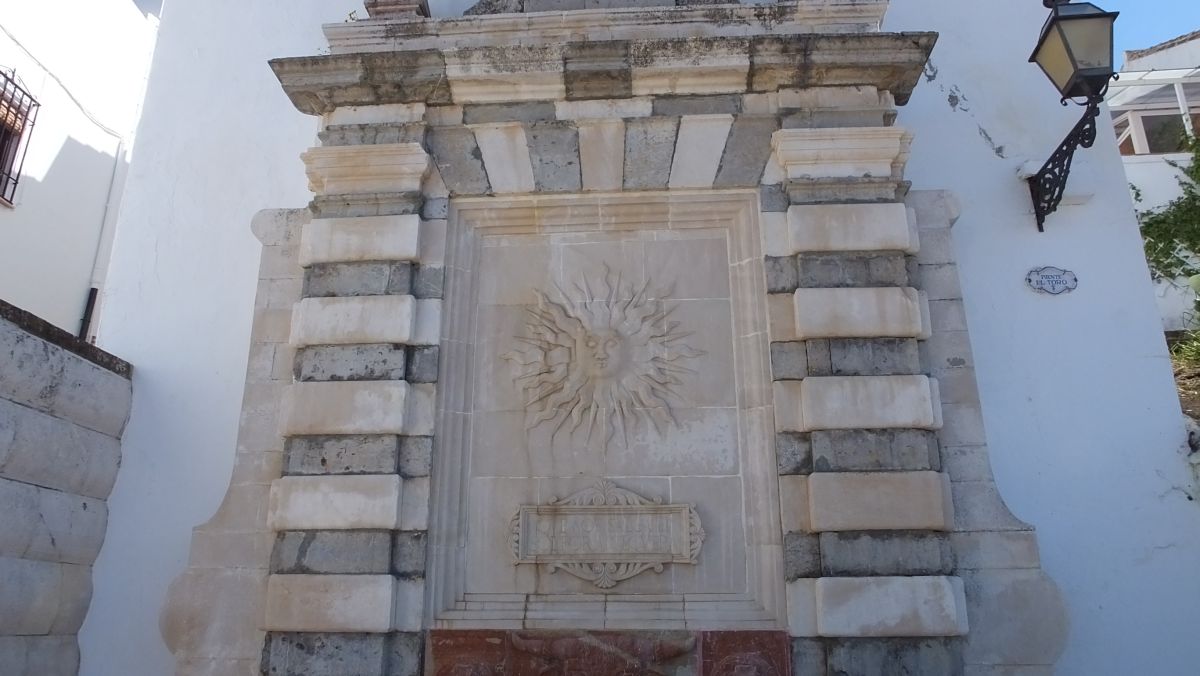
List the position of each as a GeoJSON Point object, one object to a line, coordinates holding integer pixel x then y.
{"type": "Point", "coordinates": [606, 534]}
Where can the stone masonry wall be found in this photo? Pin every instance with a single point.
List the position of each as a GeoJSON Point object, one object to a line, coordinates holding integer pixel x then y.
{"type": "Point", "coordinates": [63, 407]}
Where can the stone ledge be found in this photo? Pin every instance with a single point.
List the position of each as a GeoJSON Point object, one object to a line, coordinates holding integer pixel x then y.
{"type": "Point", "coordinates": [364, 169]}
{"type": "Point", "coordinates": [353, 320]}
{"type": "Point", "coordinates": [345, 240]}
{"type": "Point", "coordinates": [335, 502]}
{"type": "Point", "coordinates": [887, 312]}
{"type": "Point", "coordinates": [850, 227]}
{"type": "Point", "coordinates": [862, 402]}
{"type": "Point", "coordinates": [333, 603]}
{"type": "Point", "coordinates": [40, 328]}
{"type": "Point", "coordinates": [879, 501]}
{"type": "Point", "coordinates": [891, 607]}
{"type": "Point", "coordinates": [363, 407]}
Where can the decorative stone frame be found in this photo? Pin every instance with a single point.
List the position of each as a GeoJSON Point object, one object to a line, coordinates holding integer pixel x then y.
{"type": "Point", "coordinates": [762, 606]}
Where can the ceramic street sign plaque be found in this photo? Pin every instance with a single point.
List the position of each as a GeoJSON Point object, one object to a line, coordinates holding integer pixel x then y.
{"type": "Point", "coordinates": [1051, 280]}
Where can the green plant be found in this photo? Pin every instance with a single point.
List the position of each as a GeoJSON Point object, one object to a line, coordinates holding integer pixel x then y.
{"type": "Point", "coordinates": [1172, 233]}
{"type": "Point", "coordinates": [1187, 351]}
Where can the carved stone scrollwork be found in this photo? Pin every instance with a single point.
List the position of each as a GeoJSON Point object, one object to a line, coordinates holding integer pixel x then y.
{"type": "Point", "coordinates": [605, 534]}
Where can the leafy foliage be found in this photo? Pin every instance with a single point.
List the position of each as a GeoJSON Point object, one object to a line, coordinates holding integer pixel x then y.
{"type": "Point", "coordinates": [1172, 233]}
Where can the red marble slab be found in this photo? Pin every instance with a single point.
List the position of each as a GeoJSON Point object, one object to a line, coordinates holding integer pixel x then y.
{"type": "Point", "coordinates": [745, 653]}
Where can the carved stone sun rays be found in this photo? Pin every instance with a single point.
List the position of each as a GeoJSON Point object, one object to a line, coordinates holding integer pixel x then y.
{"type": "Point", "coordinates": [611, 358]}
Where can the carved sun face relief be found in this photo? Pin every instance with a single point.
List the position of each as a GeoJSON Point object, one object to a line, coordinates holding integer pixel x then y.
{"type": "Point", "coordinates": [610, 359]}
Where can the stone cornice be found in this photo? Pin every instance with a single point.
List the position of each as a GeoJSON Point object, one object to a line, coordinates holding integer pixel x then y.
{"type": "Point", "coordinates": [378, 168]}
{"type": "Point", "coordinates": [889, 61]}
{"type": "Point", "coordinates": [791, 18]}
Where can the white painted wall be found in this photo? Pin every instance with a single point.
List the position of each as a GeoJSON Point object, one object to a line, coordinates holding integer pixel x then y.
{"type": "Point", "coordinates": [89, 74]}
{"type": "Point", "coordinates": [1183, 55]}
{"type": "Point", "coordinates": [1077, 392]}
{"type": "Point", "coordinates": [1158, 182]}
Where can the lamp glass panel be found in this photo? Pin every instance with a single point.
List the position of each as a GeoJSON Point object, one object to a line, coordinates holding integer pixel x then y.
{"type": "Point", "coordinates": [1055, 60]}
{"type": "Point", "coordinates": [1091, 41]}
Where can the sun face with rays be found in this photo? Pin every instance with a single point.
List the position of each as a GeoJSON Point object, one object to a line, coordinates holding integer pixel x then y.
{"type": "Point", "coordinates": [607, 361]}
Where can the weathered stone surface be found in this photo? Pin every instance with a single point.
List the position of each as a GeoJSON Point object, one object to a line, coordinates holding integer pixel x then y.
{"type": "Point", "coordinates": [753, 652]}
{"type": "Point", "coordinates": [361, 407]}
{"type": "Point", "coordinates": [350, 552]}
{"type": "Point", "coordinates": [40, 449]}
{"type": "Point", "coordinates": [330, 603]}
{"type": "Point", "coordinates": [408, 554]}
{"type": "Point", "coordinates": [871, 657]}
{"type": "Point", "coordinates": [782, 276]}
{"type": "Point", "coordinates": [319, 84]}
{"type": "Point", "coordinates": [698, 150]}
{"type": "Point", "coordinates": [649, 151]}
{"type": "Point", "coordinates": [423, 364]}
{"type": "Point", "coordinates": [808, 657]}
{"type": "Point", "coordinates": [893, 312]}
{"type": "Point", "coordinates": [697, 105]}
{"type": "Point", "coordinates": [850, 228]}
{"type": "Point", "coordinates": [49, 525]}
{"type": "Point", "coordinates": [42, 597]}
{"type": "Point", "coordinates": [1017, 617]}
{"type": "Point", "coordinates": [801, 556]}
{"type": "Point", "coordinates": [869, 402]}
{"type": "Point", "coordinates": [789, 361]}
{"type": "Point", "coordinates": [351, 362]}
{"type": "Point", "coordinates": [457, 155]}
{"type": "Point", "coordinates": [415, 456]}
{"type": "Point", "coordinates": [365, 134]}
{"type": "Point", "coordinates": [324, 654]}
{"type": "Point", "coordinates": [366, 205]}
{"type": "Point", "coordinates": [436, 208]}
{"type": "Point", "coordinates": [428, 281]}
{"type": "Point", "coordinates": [793, 453]}
{"type": "Point", "coordinates": [827, 270]}
{"type": "Point", "coordinates": [357, 240]}
{"type": "Point", "coordinates": [532, 111]}
{"type": "Point", "coordinates": [874, 357]}
{"type": "Point", "coordinates": [876, 501]}
{"type": "Point", "coordinates": [881, 553]}
{"type": "Point", "coordinates": [811, 118]}
{"type": "Point", "coordinates": [335, 503]}
{"type": "Point", "coordinates": [406, 654]}
{"type": "Point", "coordinates": [505, 150]}
{"type": "Point", "coordinates": [886, 607]}
{"type": "Point", "coordinates": [554, 156]}
{"type": "Point", "coordinates": [39, 655]}
{"type": "Point", "coordinates": [370, 454]}
{"type": "Point", "coordinates": [35, 326]}
{"type": "Point", "coordinates": [353, 320]}
{"type": "Point", "coordinates": [746, 151]}
{"type": "Point", "coordinates": [357, 279]}
{"type": "Point", "coordinates": [772, 198]}
{"type": "Point", "coordinates": [597, 70]}
{"type": "Point", "coordinates": [820, 362]}
{"type": "Point", "coordinates": [874, 450]}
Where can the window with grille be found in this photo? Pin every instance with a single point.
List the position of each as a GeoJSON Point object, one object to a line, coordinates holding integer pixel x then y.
{"type": "Point", "coordinates": [18, 110]}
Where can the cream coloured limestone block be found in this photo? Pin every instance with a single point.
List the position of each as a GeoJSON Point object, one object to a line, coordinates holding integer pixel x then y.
{"type": "Point", "coordinates": [390, 113]}
{"type": "Point", "coordinates": [603, 109]}
{"type": "Point", "coordinates": [793, 504]}
{"type": "Point", "coordinates": [523, 73]}
{"type": "Point", "coordinates": [888, 312]}
{"type": "Point", "coordinates": [847, 152]}
{"type": "Point", "coordinates": [428, 327]}
{"type": "Point", "coordinates": [781, 317]}
{"type": "Point", "coordinates": [602, 154]}
{"type": "Point", "coordinates": [774, 228]}
{"type": "Point", "coordinates": [335, 502]}
{"type": "Point", "coordinates": [880, 607]}
{"type": "Point", "coordinates": [370, 238]}
{"type": "Point", "coordinates": [714, 72]}
{"type": "Point", "coordinates": [351, 170]}
{"type": "Point", "coordinates": [505, 153]}
{"type": "Point", "coordinates": [343, 408]}
{"type": "Point", "coordinates": [410, 605]}
{"type": "Point", "coordinates": [353, 320]}
{"type": "Point", "coordinates": [858, 501]}
{"type": "Point", "coordinates": [333, 603]}
{"type": "Point", "coordinates": [420, 418]}
{"type": "Point", "coordinates": [870, 402]}
{"type": "Point", "coordinates": [789, 407]}
{"type": "Point", "coordinates": [698, 150]}
{"type": "Point", "coordinates": [850, 227]}
{"type": "Point", "coordinates": [802, 608]}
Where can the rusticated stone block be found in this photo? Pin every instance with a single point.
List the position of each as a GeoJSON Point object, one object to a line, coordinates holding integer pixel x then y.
{"type": "Point", "coordinates": [861, 501]}
{"type": "Point", "coordinates": [351, 362]}
{"type": "Point", "coordinates": [324, 654]}
{"type": "Point", "coordinates": [793, 453]}
{"type": "Point", "coordinates": [408, 554]}
{"type": "Point", "coordinates": [883, 553]}
{"type": "Point", "coordinates": [871, 657]}
{"type": "Point", "coordinates": [747, 151]}
{"type": "Point", "coordinates": [335, 503]}
{"type": "Point", "coordinates": [789, 361]}
{"type": "Point", "coordinates": [554, 156]}
{"type": "Point", "coordinates": [874, 450]}
{"type": "Point", "coordinates": [483, 113]}
{"type": "Point", "coordinates": [891, 607]}
{"type": "Point", "coordinates": [429, 281]}
{"type": "Point", "coordinates": [357, 279]}
{"type": "Point", "coordinates": [772, 198]}
{"type": "Point", "coordinates": [40, 655]}
{"type": "Point", "coordinates": [801, 556]}
{"type": "Point", "coordinates": [781, 274]}
{"type": "Point", "coordinates": [348, 552]}
{"type": "Point", "coordinates": [874, 357]}
{"type": "Point", "coordinates": [457, 155]}
{"type": "Point", "coordinates": [649, 151]}
{"type": "Point", "coordinates": [820, 362]}
{"type": "Point", "coordinates": [423, 364]}
{"type": "Point", "coordinates": [597, 70]}
{"type": "Point", "coordinates": [354, 454]}
{"type": "Point", "coordinates": [406, 654]}
{"type": "Point", "coordinates": [698, 105]}
{"type": "Point", "coordinates": [436, 208]}
{"type": "Point", "coordinates": [416, 456]}
{"type": "Point", "coordinates": [808, 657]}
{"type": "Point", "coordinates": [330, 603]}
{"type": "Point", "coordinates": [365, 134]}
{"type": "Point", "coordinates": [848, 270]}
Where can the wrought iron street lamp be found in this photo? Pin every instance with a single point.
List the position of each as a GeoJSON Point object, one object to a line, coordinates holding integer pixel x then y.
{"type": "Point", "coordinates": [1076, 53]}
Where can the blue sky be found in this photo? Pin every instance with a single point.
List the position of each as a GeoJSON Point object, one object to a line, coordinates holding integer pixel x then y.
{"type": "Point", "coordinates": [1148, 22]}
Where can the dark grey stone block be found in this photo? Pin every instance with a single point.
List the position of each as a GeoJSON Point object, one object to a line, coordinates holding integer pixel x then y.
{"type": "Point", "coordinates": [781, 274]}
{"type": "Point", "coordinates": [874, 450]}
{"type": "Point", "coordinates": [350, 362]}
{"type": "Point", "coordinates": [597, 70]}
{"type": "Point", "coordinates": [312, 654]}
{"type": "Point", "coordinates": [367, 134]}
{"type": "Point", "coordinates": [895, 657]}
{"type": "Point", "coordinates": [649, 150]}
{"type": "Point", "coordinates": [773, 199]}
{"type": "Point", "coordinates": [793, 453]}
{"type": "Point", "coordinates": [353, 454]}
{"type": "Point", "coordinates": [552, 5]}
{"type": "Point", "coordinates": [746, 151]}
{"type": "Point", "coordinates": [789, 361]}
{"type": "Point", "coordinates": [874, 357]}
{"type": "Point", "coordinates": [808, 657]}
{"type": "Point", "coordinates": [554, 156]}
{"type": "Point", "coordinates": [428, 281]}
{"type": "Point", "coordinates": [368, 204]}
{"type": "Point", "coordinates": [698, 105]}
{"type": "Point", "coordinates": [845, 270]}
{"type": "Point", "coordinates": [359, 552]}
{"type": "Point", "coordinates": [416, 456]}
{"type": "Point", "coordinates": [886, 553]}
{"type": "Point", "coordinates": [358, 279]}
{"type": "Point", "coordinates": [482, 113]}
{"type": "Point", "coordinates": [435, 209]}
{"type": "Point", "coordinates": [820, 362]}
{"type": "Point", "coordinates": [408, 554]}
{"type": "Point", "coordinates": [406, 654]}
{"type": "Point", "coordinates": [801, 556]}
{"type": "Point", "coordinates": [459, 160]}
{"type": "Point", "coordinates": [423, 364]}
{"type": "Point", "coordinates": [826, 118]}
